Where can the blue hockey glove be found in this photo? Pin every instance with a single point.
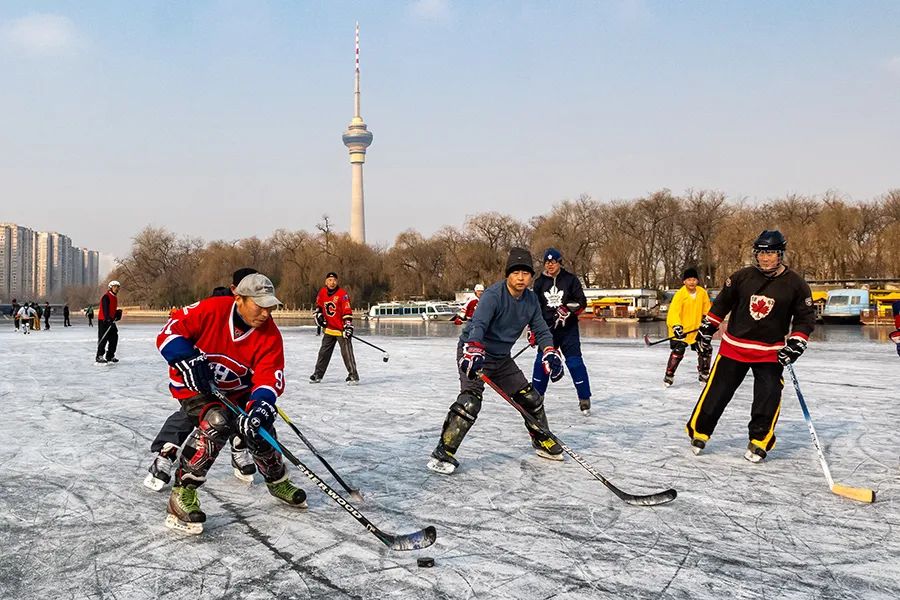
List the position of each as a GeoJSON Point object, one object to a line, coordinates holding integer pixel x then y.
{"type": "Point", "coordinates": [260, 416]}
{"type": "Point", "coordinates": [553, 364]}
{"type": "Point", "coordinates": [196, 373]}
{"type": "Point", "coordinates": [472, 359]}
{"type": "Point", "coordinates": [791, 351]}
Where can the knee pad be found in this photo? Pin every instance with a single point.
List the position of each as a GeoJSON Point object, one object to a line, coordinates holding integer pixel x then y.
{"type": "Point", "coordinates": [216, 423]}
{"type": "Point", "coordinates": [678, 347]}
{"type": "Point", "coordinates": [467, 406]}
{"type": "Point", "coordinates": [529, 398]}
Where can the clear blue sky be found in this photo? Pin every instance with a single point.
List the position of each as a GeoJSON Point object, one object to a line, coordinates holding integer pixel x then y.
{"type": "Point", "coordinates": [224, 119]}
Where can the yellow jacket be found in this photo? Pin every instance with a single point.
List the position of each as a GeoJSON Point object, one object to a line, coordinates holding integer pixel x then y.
{"type": "Point", "coordinates": [688, 311]}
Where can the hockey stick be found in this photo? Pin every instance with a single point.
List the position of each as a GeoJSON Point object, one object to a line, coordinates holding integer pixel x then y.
{"type": "Point", "coordinates": [648, 500]}
{"type": "Point", "coordinates": [649, 343]}
{"type": "Point", "coordinates": [854, 493]}
{"type": "Point", "coordinates": [354, 494]}
{"type": "Point", "coordinates": [521, 351]}
{"type": "Point", "coordinates": [409, 541]}
{"type": "Point", "coordinates": [336, 333]}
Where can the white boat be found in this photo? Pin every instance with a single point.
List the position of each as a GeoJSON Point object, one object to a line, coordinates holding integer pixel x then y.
{"type": "Point", "coordinates": [405, 311]}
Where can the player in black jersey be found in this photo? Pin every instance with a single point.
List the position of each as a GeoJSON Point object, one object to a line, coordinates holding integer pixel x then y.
{"type": "Point", "coordinates": [766, 302]}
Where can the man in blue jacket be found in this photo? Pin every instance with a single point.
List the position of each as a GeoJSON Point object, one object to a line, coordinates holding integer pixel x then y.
{"type": "Point", "coordinates": [504, 310]}
{"type": "Point", "coordinates": [562, 300]}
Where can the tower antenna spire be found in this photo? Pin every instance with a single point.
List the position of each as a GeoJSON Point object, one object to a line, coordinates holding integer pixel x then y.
{"type": "Point", "coordinates": [356, 112]}
{"type": "Point", "coordinates": [357, 138]}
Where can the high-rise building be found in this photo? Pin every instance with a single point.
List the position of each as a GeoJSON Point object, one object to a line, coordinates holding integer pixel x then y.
{"type": "Point", "coordinates": [357, 138]}
{"type": "Point", "coordinates": [39, 265]}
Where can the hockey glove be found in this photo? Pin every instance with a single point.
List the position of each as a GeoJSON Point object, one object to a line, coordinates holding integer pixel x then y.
{"type": "Point", "coordinates": [553, 364]}
{"type": "Point", "coordinates": [678, 332]}
{"type": "Point", "coordinates": [562, 315]}
{"type": "Point", "coordinates": [704, 336]}
{"type": "Point", "coordinates": [348, 329]}
{"type": "Point", "coordinates": [457, 320]}
{"type": "Point", "coordinates": [791, 351]}
{"type": "Point", "coordinates": [895, 337]}
{"type": "Point", "coordinates": [319, 317]}
{"type": "Point", "coordinates": [196, 373]}
{"type": "Point", "coordinates": [472, 359]}
{"type": "Point", "coordinates": [532, 338]}
{"type": "Point", "coordinates": [118, 316]}
{"type": "Point", "coordinates": [260, 416]}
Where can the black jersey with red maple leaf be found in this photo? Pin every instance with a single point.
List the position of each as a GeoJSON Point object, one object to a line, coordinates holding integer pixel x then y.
{"type": "Point", "coordinates": [763, 310]}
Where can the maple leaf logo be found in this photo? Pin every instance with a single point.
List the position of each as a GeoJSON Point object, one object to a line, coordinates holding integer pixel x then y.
{"type": "Point", "coordinates": [760, 306]}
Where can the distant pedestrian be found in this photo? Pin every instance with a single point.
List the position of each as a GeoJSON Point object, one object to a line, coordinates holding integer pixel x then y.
{"type": "Point", "coordinates": [89, 313]}
{"type": "Point", "coordinates": [66, 322]}
{"type": "Point", "coordinates": [47, 311]}
{"type": "Point", "coordinates": [15, 312]}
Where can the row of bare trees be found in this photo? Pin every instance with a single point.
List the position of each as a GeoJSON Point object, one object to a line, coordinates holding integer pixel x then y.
{"type": "Point", "coordinates": [646, 242]}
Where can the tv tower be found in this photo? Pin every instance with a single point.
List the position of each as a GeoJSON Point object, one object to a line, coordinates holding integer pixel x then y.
{"type": "Point", "coordinates": [357, 138]}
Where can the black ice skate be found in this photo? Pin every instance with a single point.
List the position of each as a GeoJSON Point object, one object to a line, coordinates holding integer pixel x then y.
{"type": "Point", "coordinates": [244, 467]}
{"type": "Point", "coordinates": [161, 468]}
{"type": "Point", "coordinates": [547, 448]}
{"type": "Point", "coordinates": [314, 378]}
{"type": "Point", "coordinates": [184, 511]}
{"type": "Point", "coordinates": [442, 461]}
{"type": "Point", "coordinates": [754, 453]}
{"type": "Point", "coordinates": [352, 380]}
{"type": "Point", "coordinates": [697, 446]}
{"type": "Point", "coordinates": [668, 379]}
{"type": "Point", "coordinates": [703, 377]}
{"type": "Point", "coordinates": [584, 404]}
{"type": "Point", "coordinates": [287, 492]}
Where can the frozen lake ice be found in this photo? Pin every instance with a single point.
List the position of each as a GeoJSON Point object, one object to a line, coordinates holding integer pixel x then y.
{"type": "Point", "coordinates": [75, 521]}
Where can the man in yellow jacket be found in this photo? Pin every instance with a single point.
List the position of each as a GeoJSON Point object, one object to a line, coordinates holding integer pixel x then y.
{"type": "Point", "coordinates": [688, 307]}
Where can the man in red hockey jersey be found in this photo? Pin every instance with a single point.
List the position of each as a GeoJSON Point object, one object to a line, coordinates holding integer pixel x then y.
{"type": "Point", "coordinates": [335, 316]}
{"type": "Point", "coordinates": [895, 335]}
{"type": "Point", "coordinates": [465, 314]}
{"type": "Point", "coordinates": [230, 344]}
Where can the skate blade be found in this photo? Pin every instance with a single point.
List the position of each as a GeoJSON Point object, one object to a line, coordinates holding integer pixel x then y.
{"type": "Point", "coordinates": [548, 456]}
{"type": "Point", "coordinates": [153, 483]}
{"type": "Point", "coordinates": [246, 478]}
{"type": "Point", "coordinates": [586, 412]}
{"type": "Point", "coordinates": [303, 505]}
{"type": "Point", "coordinates": [173, 522]}
{"type": "Point", "coordinates": [439, 466]}
{"type": "Point", "coordinates": [352, 383]}
{"type": "Point", "coordinates": [696, 450]}
{"type": "Point", "coordinates": [752, 457]}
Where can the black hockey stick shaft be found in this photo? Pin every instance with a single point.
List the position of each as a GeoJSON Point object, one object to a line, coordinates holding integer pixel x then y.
{"type": "Point", "coordinates": [367, 343]}
{"type": "Point", "coordinates": [410, 541]}
{"type": "Point", "coordinates": [636, 500]}
{"type": "Point", "coordinates": [353, 492]}
{"type": "Point", "coordinates": [521, 351]}
{"type": "Point", "coordinates": [668, 339]}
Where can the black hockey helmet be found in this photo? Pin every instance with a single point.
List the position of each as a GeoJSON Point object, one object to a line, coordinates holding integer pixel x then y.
{"type": "Point", "coordinates": [770, 240]}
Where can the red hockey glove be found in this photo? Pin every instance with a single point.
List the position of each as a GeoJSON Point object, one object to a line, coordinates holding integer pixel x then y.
{"type": "Point", "coordinates": [553, 364]}
{"type": "Point", "coordinates": [472, 359]}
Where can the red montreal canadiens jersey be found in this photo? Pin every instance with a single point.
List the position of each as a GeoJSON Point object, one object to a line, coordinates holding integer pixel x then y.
{"type": "Point", "coordinates": [242, 362]}
{"type": "Point", "coordinates": [335, 306]}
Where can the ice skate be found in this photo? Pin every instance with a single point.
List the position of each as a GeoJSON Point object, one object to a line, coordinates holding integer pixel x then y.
{"type": "Point", "coordinates": [754, 453]}
{"type": "Point", "coordinates": [161, 468]}
{"type": "Point", "coordinates": [112, 360]}
{"type": "Point", "coordinates": [547, 448]}
{"type": "Point", "coordinates": [442, 461]}
{"type": "Point", "coordinates": [668, 380]}
{"type": "Point", "coordinates": [584, 404]}
{"type": "Point", "coordinates": [244, 467]}
{"type": "Point", "coordinates": [99, 361]}
{"type": "Point", "coordinates": [315, 378]}
{"type": "Point", "coordinates": [351, 380]}
{"type": "Point", "coordinates": [184, 511]}
{"type": "Point", "coordinates": [287, 492]}
{"type": "Point", "coordinates": [703, 377]}
{"type": "Point", "coordinates": [697, 446]}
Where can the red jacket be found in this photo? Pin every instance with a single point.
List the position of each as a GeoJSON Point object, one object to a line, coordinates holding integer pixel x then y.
{"type": "Point", "coordinates": [108, 306]}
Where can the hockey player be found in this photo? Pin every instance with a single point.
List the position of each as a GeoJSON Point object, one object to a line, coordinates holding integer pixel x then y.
{"type": "Point", "coordinates": [895, 335]}
{"type": "Point", "coordinates": [767, 302]}
{"type": "Point", "coordinates": [26, 315]}
{"type": "Point", "coordinates": [484, 345]}
{"type": "Point", "coordinates": [89, 313]}
{"type": "Point", "coordinates": [233, 345]}
{"type": "Point", "coordinates": [686, 311]}
{"type": "Point", "coordinates": [107, 331]}
{"type": "Point", "coordinates": [179, 426]}
{"type": "Point", "coordinates": [562, 300]}
{"type": "Point", "coordinates": [47, 311]}
{"type": "Point", "coordinates": [66, 314]}
{"type": "Point", "coordinates": [466, 312]}
{"type": "Point", "coordinates": [334, 315]}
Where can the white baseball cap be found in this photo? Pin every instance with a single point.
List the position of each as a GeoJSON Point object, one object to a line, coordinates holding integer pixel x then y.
{"type": "Point", "coordinates": [259, 288]}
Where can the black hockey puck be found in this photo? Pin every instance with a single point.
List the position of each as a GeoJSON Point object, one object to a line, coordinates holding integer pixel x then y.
{"type": "Point", "coordinates": [425, 561]}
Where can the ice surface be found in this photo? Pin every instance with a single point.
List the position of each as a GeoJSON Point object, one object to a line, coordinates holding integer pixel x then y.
{"type": "Point", "coordinates": [76, 522]}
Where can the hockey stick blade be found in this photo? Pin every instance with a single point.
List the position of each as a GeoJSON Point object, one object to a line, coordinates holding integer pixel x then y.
{"type": "Point", "coordinates": [854, 493]}
{"type": "Point", "coordinates": [647, 340]}
{"type": "Point", "coordinates": [633, 499]}
{"type": "Point", "coordinates": [410, 541]}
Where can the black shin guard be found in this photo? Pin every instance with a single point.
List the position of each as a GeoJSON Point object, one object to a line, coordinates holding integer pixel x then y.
{"type": "Point", "coordinates": [460, 418]}
{"type": "Point", "coordinates": [207, 441]}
